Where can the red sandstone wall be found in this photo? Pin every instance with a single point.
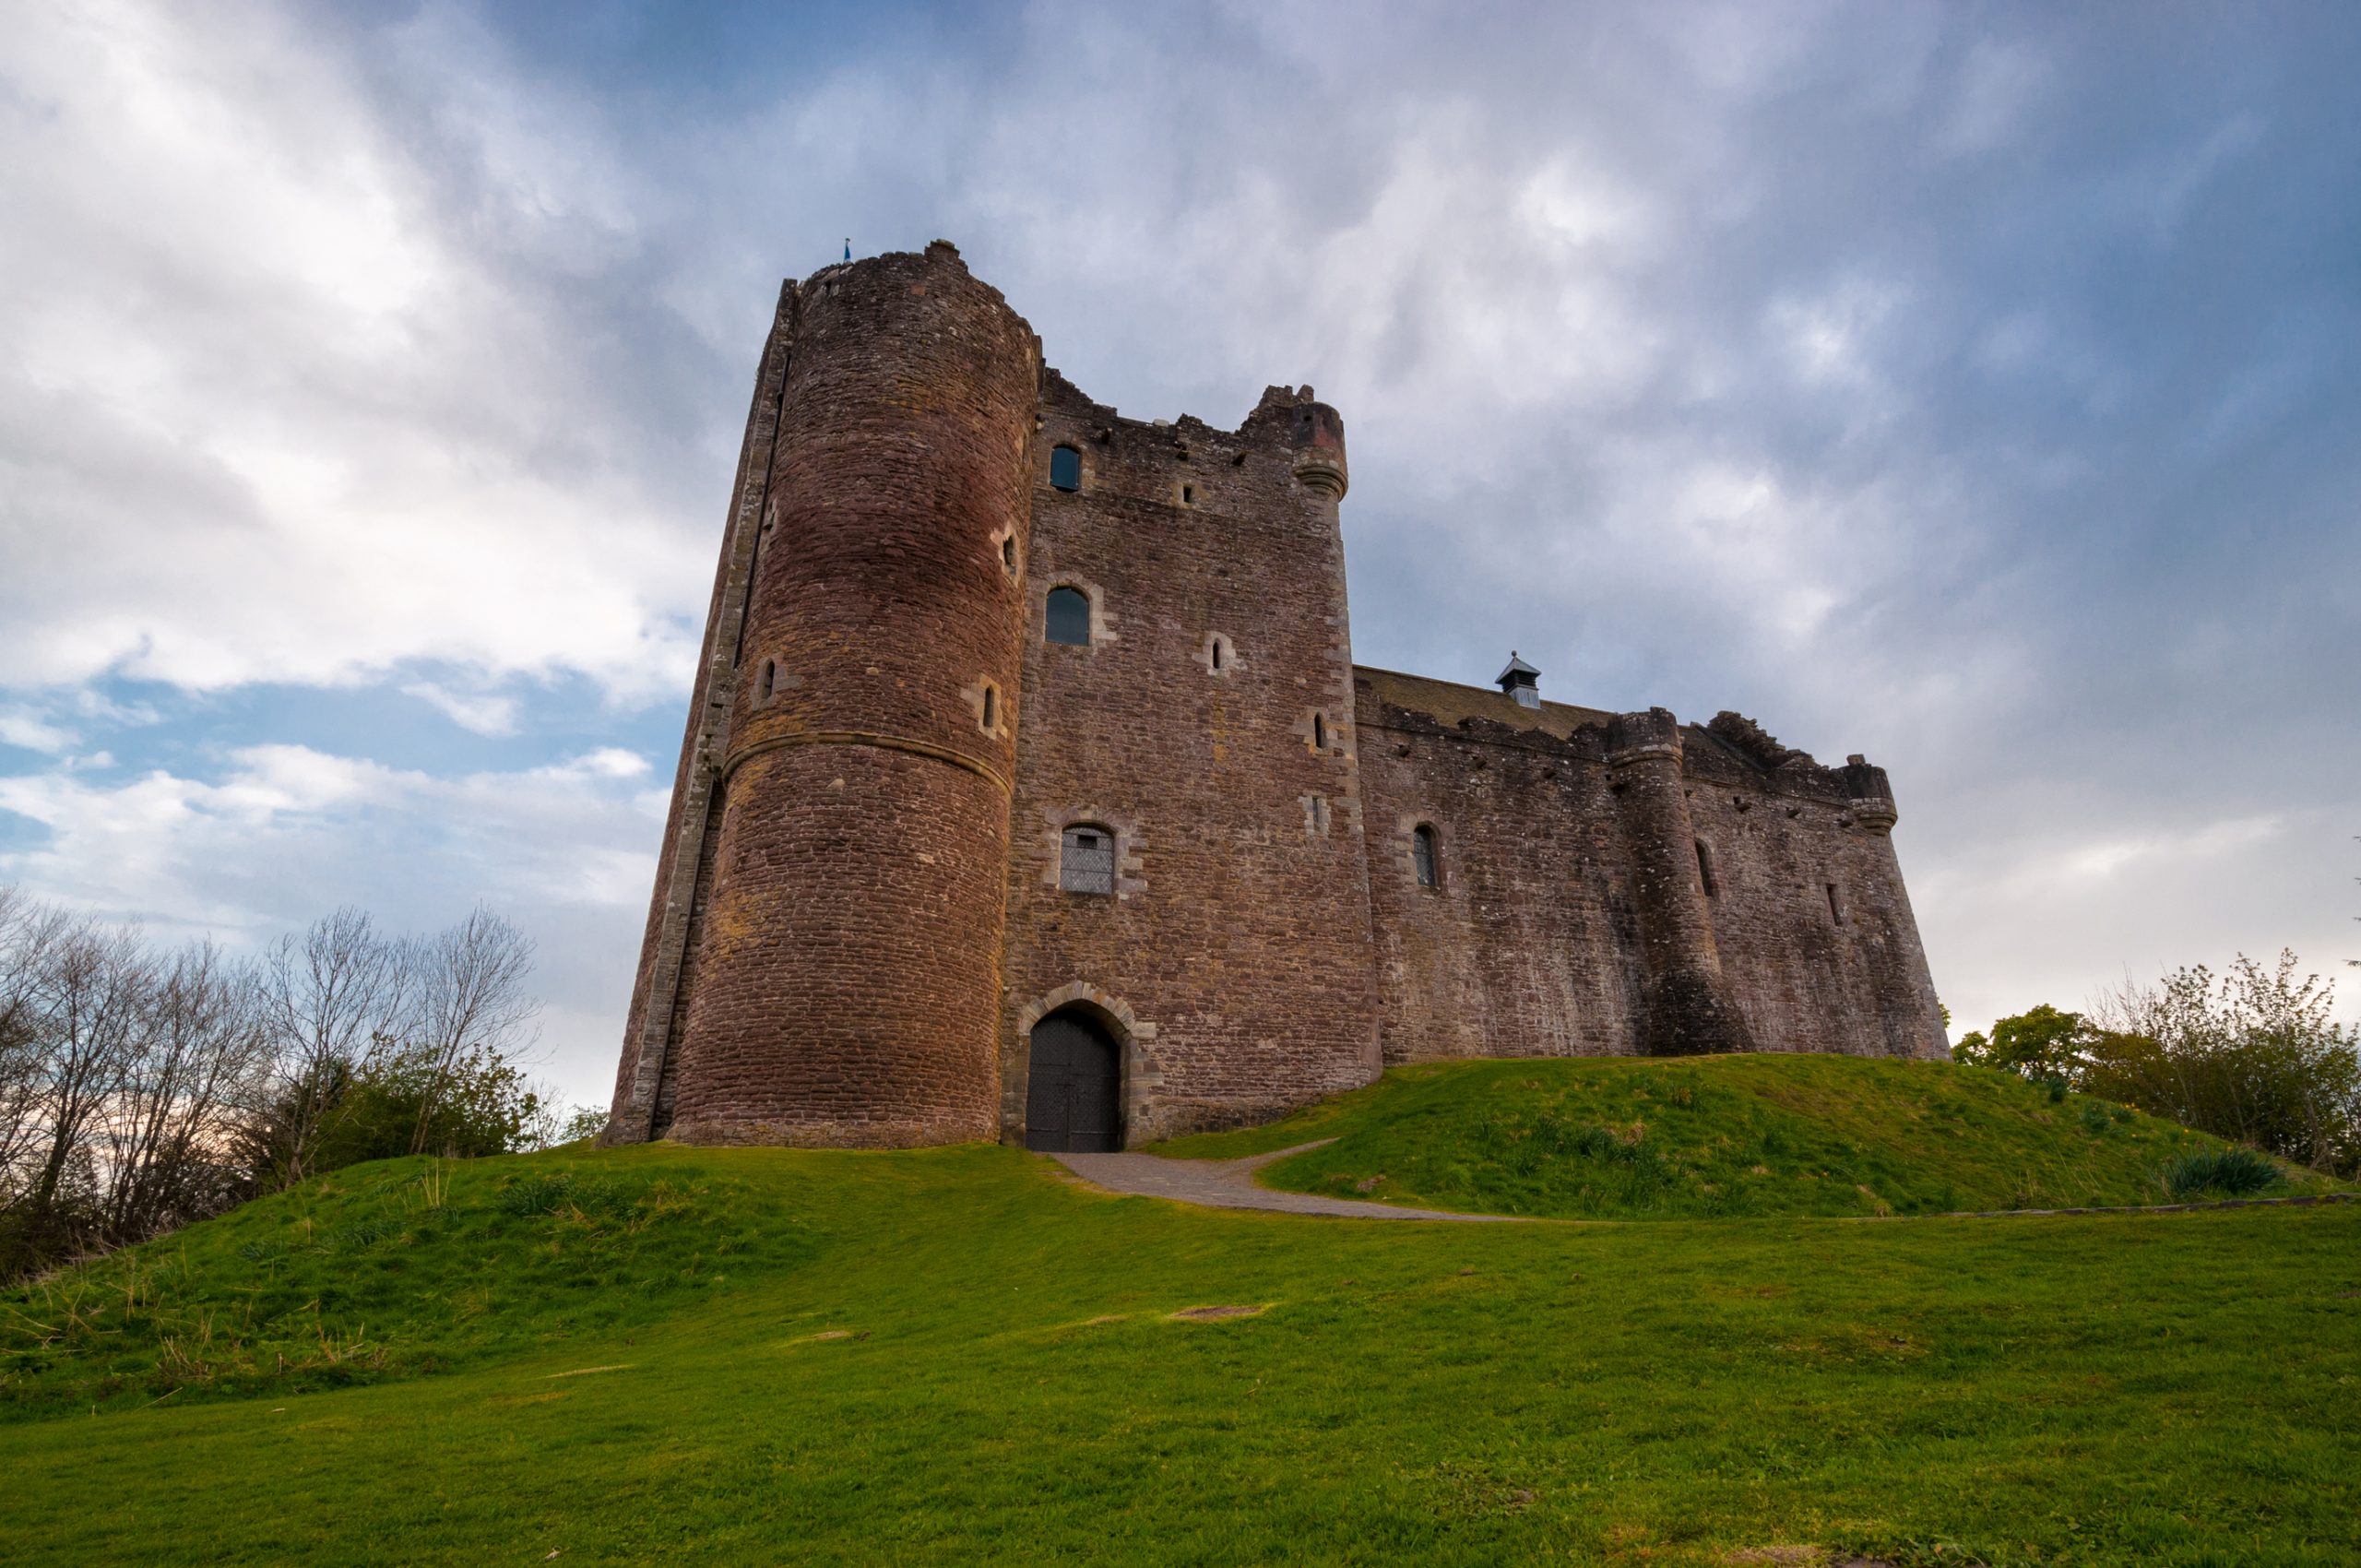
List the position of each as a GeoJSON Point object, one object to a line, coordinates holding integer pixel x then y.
{"type": "Point", "coordinates": [844, 987]}
{"type": "Point", "coordinates": [1235, 954]}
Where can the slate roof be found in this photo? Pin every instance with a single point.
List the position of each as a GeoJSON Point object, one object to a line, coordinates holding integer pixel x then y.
{"type": "Point", "coordinates": [1447, 702]}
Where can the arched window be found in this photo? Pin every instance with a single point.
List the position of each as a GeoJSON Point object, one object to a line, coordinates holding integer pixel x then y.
{"type": "Point", "coordinates": [1423, 857]}
{"type": "Point", "coordinates": [1069, 617]}
{"type": "Point", "coordinates": [1086, 859]}
{"type": "Point", "coordinates": [1218, 653]}
{"type": "Point", "coordinates": [1065, 469]}
{"type": "Point", "coordinates": [992, 707]}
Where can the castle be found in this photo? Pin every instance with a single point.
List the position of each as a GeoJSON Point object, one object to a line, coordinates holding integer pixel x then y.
{"type": "Point", "coordinates": [1030, 790]}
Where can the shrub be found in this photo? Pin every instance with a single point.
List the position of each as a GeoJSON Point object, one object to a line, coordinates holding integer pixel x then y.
{"type": "Point", "coordinates": [2229, 1173]}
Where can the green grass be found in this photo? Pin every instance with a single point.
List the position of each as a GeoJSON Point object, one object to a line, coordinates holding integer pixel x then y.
{"type": "Point", "coordinates": [1721, 1136]}
{"type": "Point", "coordinates": [959, 1355]}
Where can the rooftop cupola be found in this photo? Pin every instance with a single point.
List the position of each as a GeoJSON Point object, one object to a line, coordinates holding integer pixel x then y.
{"type": "Point", "coordinates": [1521, 681]}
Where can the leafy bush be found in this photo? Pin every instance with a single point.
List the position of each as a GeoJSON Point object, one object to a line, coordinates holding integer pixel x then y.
{"type": "Point", "coordinates": [2229, 1173]}
{"type": "Point", "coordinates": [2254, 1055]}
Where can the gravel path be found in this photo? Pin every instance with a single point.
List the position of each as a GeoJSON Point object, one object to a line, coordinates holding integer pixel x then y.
{"type": "Point", "coordinates": [1230, 1183]}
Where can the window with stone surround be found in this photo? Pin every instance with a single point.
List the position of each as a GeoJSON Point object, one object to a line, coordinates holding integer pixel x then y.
{"type": "Point", "coordinates": [1835, 905]}
{"type": "Point", "coordinates": [1705, 870]}
{"type": "Point", "coordinates": [1065, 469]}
{"type": "Point", "coordinates": [1087, 859]}
{"type": "Point", "coordinates": [1068, 620]}
{"type": "Point", "coordinates": [1423, 857]}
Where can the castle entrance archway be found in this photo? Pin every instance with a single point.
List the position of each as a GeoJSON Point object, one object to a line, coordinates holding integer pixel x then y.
{"type": "Point", "coordinates": [1073, 1087]}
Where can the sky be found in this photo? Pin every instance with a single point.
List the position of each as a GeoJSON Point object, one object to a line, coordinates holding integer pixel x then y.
{"type": "Point", "coordinates": [1977, 387]}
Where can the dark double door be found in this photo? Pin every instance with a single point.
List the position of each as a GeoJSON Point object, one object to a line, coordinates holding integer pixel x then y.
{"type": "Point", "coordinates": [1073, 1098]}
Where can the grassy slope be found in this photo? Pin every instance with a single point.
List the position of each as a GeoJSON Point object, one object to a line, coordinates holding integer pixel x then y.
{"type": "Point", "coordinates": [2172, 1388]}
{"type": "Point", "coordinates": [1716, 1136]}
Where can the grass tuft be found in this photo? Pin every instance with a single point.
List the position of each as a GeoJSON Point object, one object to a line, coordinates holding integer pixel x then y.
{"type": "Point", "coordinates": [2221, 1174]}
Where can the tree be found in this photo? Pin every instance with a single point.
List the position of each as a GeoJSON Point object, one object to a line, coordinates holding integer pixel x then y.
{"type": "Point", "coordinates": [164, 1139]}
{"type": "Point", "coordinates": [2255, 1055]}
{"type": "Point", "coordinates": [329, 998]}
{"type": "Point", "coordinates": [2039, 1043]}
{"type": "Point", "coordinates": [468, 1002]}
{"type": "Point", "coordinates": [140, 1091]}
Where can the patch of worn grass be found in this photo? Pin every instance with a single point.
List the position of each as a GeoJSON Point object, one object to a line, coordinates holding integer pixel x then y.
{"type": "Point", "coordinates": [1721, 1136]}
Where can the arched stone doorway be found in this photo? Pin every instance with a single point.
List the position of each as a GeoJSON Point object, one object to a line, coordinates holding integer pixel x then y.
{"type": "Point", "coordinates": [1073, 1097]}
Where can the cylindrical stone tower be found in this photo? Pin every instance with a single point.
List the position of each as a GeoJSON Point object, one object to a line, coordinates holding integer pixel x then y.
{"type": "Point", "coordinates": [1909, 1015]}
{"type": "Point", "coordinates": [838, 957]}
{"type": "Point", "coordinates": [1685, 1007]}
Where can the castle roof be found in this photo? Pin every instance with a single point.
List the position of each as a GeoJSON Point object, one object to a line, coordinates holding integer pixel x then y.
{"type": "Point", "coordinates": [1447, 702]}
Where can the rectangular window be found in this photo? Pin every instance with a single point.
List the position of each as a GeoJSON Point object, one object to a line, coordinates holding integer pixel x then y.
{"type": "Point", "coordinates": [1705, 870]}
{"type": "Point", "coordinates": [1086, 861]}
{"type": "Point", "coordinates": [1835, 906]}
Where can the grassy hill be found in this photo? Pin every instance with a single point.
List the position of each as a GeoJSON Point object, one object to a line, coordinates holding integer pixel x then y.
{"type": "Point", "coordinates": [753, 1355]}
{"type": "Point", "coordinates": [1720, 1136]}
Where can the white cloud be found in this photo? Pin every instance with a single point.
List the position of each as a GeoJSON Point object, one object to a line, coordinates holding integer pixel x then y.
{"type": "Point", "coordinates": [485, 714]}
{"type": "Point", "coordinates": [286, 829]}
{"type": "Point", "coordinates": [1707, 344]}
{"type": "Point", "coordinates": [347, 428]}
{"type": "Point", "coordinates": [19, 726]}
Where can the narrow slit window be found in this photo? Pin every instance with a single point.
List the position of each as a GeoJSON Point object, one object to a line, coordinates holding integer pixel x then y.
{"type": "Point", "coordinates": [770, 678]}
{"type": "Point", "coordinates": [1705, 870]}
{"type": "Point", "coordinates": [1835, 906]}
{"type": "Point", "coordinates": [992, 707]}
{"type": "Point", "coordinates": [1422, 856]}
{"type": "Point", "coordinates": [1220, 652]}
{"type": "Point", "coordinates": [1187, 495]}
{"type": "Point", "coordinates": [1319, 732]}
{"type": "Point", "coordinates": [1069, 617]}
{"type": "Point", "coordinates": [1065, 469]}
{"type": "Point", "coordinates": [1008, 555]}
{"type": "Point", "coordinates": [1086, 859]}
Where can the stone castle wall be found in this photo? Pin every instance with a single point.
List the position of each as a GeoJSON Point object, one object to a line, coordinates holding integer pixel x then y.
{"type": "Point", "coordinates": [858, 916]}
{"type": "Point", "coordinates": [1536, 939]}
{"type": "Point", "coordinates": [1232, 961]}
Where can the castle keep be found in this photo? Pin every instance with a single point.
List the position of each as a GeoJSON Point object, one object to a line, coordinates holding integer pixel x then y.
{"type": "Point", "coordinates": [1030, 790]}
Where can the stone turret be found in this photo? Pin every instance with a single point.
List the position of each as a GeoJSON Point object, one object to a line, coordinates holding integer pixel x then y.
{"type": "Point", "coordinates": [1685, 1005]}
{"type": "Point", "coordinates": [836, 967]}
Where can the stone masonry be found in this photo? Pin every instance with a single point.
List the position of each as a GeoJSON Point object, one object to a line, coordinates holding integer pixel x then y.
{"type": "Point", "coordinates": [866, 897]}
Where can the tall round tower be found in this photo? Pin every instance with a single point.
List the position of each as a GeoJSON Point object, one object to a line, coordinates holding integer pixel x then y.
{"type": "Point", "coordinates": [1685, 1003]}
{"type": "Point", "coordinates": [835, 972]}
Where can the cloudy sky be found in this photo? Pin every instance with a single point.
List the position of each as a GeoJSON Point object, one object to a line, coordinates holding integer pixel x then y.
{"type": "Point", "coordinates": [1974, 386]}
